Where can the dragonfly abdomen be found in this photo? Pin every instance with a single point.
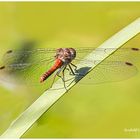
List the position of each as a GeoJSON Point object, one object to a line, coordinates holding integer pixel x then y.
{"type": "Point", "coordinates": [58, 64]}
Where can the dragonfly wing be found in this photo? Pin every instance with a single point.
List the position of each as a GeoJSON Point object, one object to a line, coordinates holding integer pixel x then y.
{"type": "Point", "coordinates": [31, 64]}
{"type": "Point", "coordinates": [122, 54]}
{"type": "Point", "coordinates": [129, 54]}
{"type": "Point", "coordinates": [109, 71]}
{"type": "Point", "coordinates": [31, 56]}
{"type": "Point", "coordinates": [118, 66]}
{"type": "Point", "coordinates": [25, 74]}
{"type": "Point", "coordinates": [26, 66]}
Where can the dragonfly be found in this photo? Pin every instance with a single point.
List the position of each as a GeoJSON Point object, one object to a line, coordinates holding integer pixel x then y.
{"type": "Point", "coordinates": [36, 66]}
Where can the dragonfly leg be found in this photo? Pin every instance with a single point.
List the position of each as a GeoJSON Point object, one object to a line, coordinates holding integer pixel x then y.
{"type": "Point", "coordinates": [53, 80]}
{"type": "Point", "coordinates": [56, 74]}
{"type": "Point", "coordinates": [63, 74]}
{"type": "Point", "coordinates": [68, 69]}
{"type": "Point", "coordinates": [74, 66]}
{"type": "Point", "coordinates": [71, 70]}
{"type": "Point", "coordinates": [62, 77]}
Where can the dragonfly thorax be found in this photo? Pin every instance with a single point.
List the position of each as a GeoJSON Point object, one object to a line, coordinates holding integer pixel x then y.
{"type": "Point", "coordinates": [65, 54]}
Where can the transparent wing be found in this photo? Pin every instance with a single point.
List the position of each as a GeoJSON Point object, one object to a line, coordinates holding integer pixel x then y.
{"type": "Point", "coordinates": [36, 55]}
{"type": "Point", "coordinates": [26, 66]}
{"type": "Point", "coordinates": [122, 54]}
{"type": "Point", "coordinates": [30, 56]}
{"type": "Point", "coordinates": [117, 67]}
{"type": "Point", "coordinates": [29, 65]}
{"type": "Point", "coordinates": [107, 71]}
{"type": "Point", "coordinates": [28, 74]}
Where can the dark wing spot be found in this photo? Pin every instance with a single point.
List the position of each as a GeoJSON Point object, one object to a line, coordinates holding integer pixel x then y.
{"type": "Point", "coordinates": [128, 63]}
{"type": "Point", "coordinates": [10, 51]}
{"type": "Point", "coordinates": [3, 67]}
{"type": "Point", "coordinates": [135, 49]}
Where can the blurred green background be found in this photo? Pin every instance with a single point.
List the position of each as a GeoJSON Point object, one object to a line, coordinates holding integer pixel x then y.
{"type": "Point", "coordinates": [105, 110]}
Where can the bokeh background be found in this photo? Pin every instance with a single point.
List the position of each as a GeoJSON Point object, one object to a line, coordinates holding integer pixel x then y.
{"type": "Point", "coordinates": [108, 110]}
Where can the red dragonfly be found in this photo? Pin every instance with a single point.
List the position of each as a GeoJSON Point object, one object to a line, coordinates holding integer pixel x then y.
{"type": "Point", "coordinates": [37, 65]}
